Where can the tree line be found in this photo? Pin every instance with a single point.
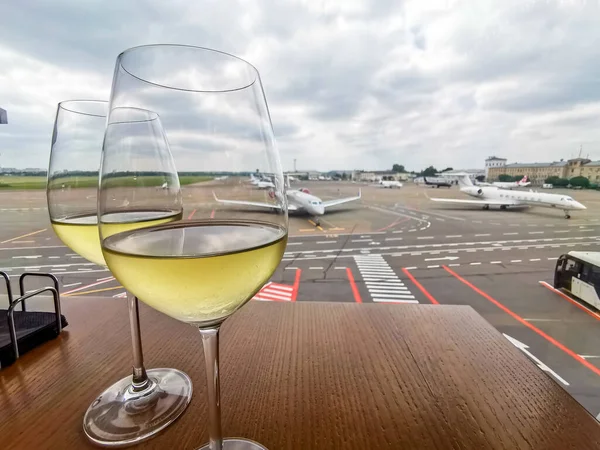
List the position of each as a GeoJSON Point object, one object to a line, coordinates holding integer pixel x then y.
{"type": "Point", "coordinates": [430, 171]}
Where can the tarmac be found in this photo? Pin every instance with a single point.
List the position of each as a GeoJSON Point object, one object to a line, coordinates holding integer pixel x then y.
{"type": "Point", "coordinates": [394, 245]}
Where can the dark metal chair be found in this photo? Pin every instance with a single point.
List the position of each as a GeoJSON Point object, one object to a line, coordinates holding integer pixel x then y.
{"type": "Point", "coordinates": [25, 330]}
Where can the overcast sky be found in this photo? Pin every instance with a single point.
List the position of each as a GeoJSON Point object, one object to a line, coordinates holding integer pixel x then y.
{"type": "Point", "coordinates": [350, 84]}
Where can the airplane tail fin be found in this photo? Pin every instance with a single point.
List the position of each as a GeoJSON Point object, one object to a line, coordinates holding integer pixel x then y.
{"type": "Point", "coordinates": [464, 181]}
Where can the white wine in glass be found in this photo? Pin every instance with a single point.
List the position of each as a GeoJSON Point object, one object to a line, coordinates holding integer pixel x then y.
{"type": "Point", "coordinates": [136, 407]}
{"type": "Point", "coordinates": [201, 271]}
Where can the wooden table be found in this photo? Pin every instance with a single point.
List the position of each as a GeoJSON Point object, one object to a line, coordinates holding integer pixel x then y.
{"type": "Point", "coordinates": [306, 376]}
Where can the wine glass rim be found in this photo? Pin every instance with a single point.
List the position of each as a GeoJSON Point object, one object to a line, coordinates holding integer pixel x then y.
{"type": "Point", "coordinates": [65, 104]}
{"type": "Point", "coordinates": [132, 49]}
{"type": "Point", "coordinates": [152, 115]}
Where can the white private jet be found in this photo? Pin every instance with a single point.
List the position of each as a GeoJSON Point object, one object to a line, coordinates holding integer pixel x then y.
{"type": "Point", "coordinates": [523, 182]}
{"type": "Point", "coordinates": [300, 201]}
{"type": "Point", "coordinates": [388, 184]}
{"type": "Point", "coordinates": [224, 177]}
{"type": "Point", "coordinates": [488, 195]}
{"type": "Point", "coordinates": [261, 183]}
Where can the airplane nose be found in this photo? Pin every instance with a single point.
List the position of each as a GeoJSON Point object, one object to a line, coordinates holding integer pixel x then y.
{"type": "Point", "coordinates": [581, 206]}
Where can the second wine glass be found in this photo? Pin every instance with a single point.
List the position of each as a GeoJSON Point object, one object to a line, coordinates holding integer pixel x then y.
{"type": "Point", "coordinates": [136, 407]}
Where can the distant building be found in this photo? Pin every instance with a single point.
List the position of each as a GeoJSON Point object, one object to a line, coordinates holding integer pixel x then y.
{"type": "Point", "coordinates": [3, 117]}
{"type": "Point", "coordinates": [539, 171]}
{"type": "Point", "coordinates": [492, 162]}
{"type": "Point", "coordinates": [376, 175]}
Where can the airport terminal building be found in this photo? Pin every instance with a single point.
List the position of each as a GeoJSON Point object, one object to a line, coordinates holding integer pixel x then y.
{"type": "Point", "coordinates": [539, 171]}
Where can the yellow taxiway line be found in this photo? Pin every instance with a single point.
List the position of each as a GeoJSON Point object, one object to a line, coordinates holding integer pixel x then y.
{"type": "Point", "coordinates": [93, 292]}
{"type": "Point", "coordinates": [22, 236]}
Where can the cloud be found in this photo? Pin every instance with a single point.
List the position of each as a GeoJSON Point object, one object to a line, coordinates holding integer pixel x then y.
{"type": "Point", "coordinates": [350, 84]}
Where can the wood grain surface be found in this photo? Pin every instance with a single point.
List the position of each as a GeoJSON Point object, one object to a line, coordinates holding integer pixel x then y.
{"type": "Point", "coordinates": [305, 376]}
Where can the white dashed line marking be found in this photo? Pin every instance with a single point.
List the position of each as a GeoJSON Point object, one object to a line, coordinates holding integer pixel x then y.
{"type": "Point", "coordinates": [481, 235]}
{"type": "Point", "coordinates": [425, 237]}
{"type": "Point", "coordinates": [475, 264]}
{"type": "Point", "coordinates": [516, 260]}
{"type": "Point", "coordinates": [509, 234]}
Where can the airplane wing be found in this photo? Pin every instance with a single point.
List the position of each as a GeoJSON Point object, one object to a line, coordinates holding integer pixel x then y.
{"type": "Point", "coordinates": [475, 202]}
{"type": "Point", "coordinates": [339, 201]}
{"type": "Point", "coordinates": [245, 203]}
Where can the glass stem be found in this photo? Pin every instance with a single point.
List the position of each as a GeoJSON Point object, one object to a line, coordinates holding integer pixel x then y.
{"type": "Point", "coordinates": [210, 342]}
{"type": "Point", "coordinates": [140, 378]}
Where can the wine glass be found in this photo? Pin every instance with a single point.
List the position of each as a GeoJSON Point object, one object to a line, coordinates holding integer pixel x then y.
{"type": "Point", "coordinates": [135, 408]}
{"type": "Point", "coordinates": [200, 270]}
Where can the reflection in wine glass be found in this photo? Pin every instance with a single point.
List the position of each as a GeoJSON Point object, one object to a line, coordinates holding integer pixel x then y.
{"type": "Point", "coordinates": [137, 407]}
{"type": "Point", "coordinates": [201, 271]}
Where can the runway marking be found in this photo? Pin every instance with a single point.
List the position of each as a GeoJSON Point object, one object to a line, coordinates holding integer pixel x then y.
{"type": "Point", "coordinates": [536, 232]}
{"type": "Point", "coordinates": [361, 240]}
{"type": "Point", "coordinates": [590, 357]}
{"type": "Point", "coordinates": [542, 320]}
{"type": "Point", "coordinates": [355, 291]}
{"type": "Point", "coordinates": [534, 259]}
{"type": "Point", "coordinates": [318, 226]}
{"type": "Point", "coordinates": [27, 257]}
{"type": "Point", "coordinates": [326, 242]}
{"type": "Point", "coordinates": [516, 260]}
{"type": "Point", "coordinates": [481, 235]}
{"type": "Point", "coordinates": [509, 234]}
{"type": "Point", "coordinates": [94, 291]}
{"type": "Point", "coordinates": [381, 282]}
{"type": "Point", "coordinates": [339, 268]}
{"type": "Point", "coordinates": [519, 319]}
{"type": "Point", "coordinates": [425, 292]}
{"type": "Point", "coordinates": [294, 243]}
{"type": "Point", "coordinates": [433, 267]}
{"type": "Point", "coordinates": [296, 284]}
{"type": "Point", "coordinates": [394, 239]}
{"type": "Point", "coordinates": [25, 242]}
{"type": "Point", "coordinates": [453, 265]}
{"type": "Point", "coordinates": [425, 237]}
{"type": "Point", "coordinates": [570, 300]}
{"type": "Point", "coordinates": [475, 264]}
{"type": "Point", "coordinates": [275, 292]}
{"type": "Point", "coordinates": [23, 235]}
{"type": "Point", "coordinates": [88, 286]}
{"type": "Point", "coordinates": [72, 284]}
{"type": "Point", "coordinates": [192, 214]}
{"type": "Point", "coordinates": [316, 268]}
{"type": "Point", "coordinates": [291, 268]}
{"type": "Point", "coordinates": [398, 231]}
{"type": "Point", "coordinates": [454, 235]}
{"type": "Point", "coordinates": [54, 257]}
{"type": "Point", "coordinates": [393, 224]}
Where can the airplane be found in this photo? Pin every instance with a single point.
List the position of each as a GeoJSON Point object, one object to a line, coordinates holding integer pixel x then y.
{"type": "Point", "coordinates": [261, 183]}
{"type": "Point", "coordinates": [504, 198]}
{"type": "Point", "coordinates": [224, 177]}
{"type": "Point", "coordinates": [300, 201]}
{"type": "Point", "coordinates": [437, 182]}
{"type": "Point", "coordinates": [523, 182]}
{"type": "Point", "coordinates": [388, 184]}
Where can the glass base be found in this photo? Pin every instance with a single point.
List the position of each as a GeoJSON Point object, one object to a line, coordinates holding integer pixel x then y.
{"type": "Point", "coordinates": [237, 444]}
{"type": "Point", "coordinates": [120, 416]}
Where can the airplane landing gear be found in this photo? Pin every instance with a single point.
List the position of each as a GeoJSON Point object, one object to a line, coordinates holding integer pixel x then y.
{"type": "Point", "coordinates": [567, 215]}
{"type": "Point", "coordinates": [486, 207]}
{"type": "Point", "coordinates": [503, 207]}
{"type": "Point", "coordinates": [316, 221]}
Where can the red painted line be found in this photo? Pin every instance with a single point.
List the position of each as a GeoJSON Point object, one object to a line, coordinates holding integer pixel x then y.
{"type": "Point", "coordinates": [393, 224]}
{"type": "Point", "coordinates": [88, 286]}
{"type": "Point", "coordinates": [212, 214]}
{"type": "Point", "coordinates": [420, 286]}
{"type": "Point", "coordinates": [569, 299]}
{"type": "Point", "coordinates": [296, 284]}
{"type": "Point", "coordinates": [355, 292]}
{"type": "Point", "coordinates": [519, 319]}
{"type": "Point", "coordinates": [191, 214]}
